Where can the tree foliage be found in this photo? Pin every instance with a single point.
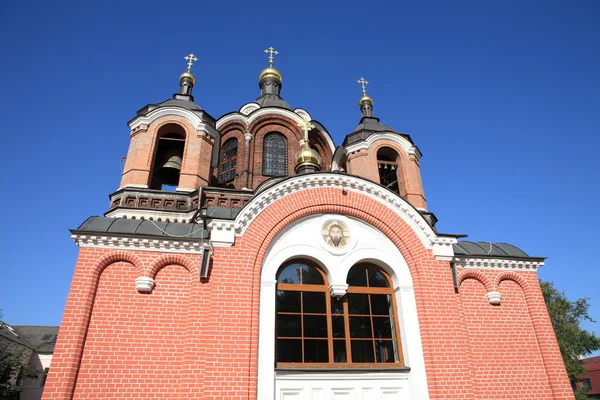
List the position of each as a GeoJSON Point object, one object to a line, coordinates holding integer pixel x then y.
{"type": "Point", "coordinates": [14, 367]}
{"type": "Point", "coordinates": [574, 341]}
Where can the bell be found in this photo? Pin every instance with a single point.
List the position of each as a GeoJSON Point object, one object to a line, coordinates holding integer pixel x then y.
{"type": "Point", "coordinates": [168, 170]}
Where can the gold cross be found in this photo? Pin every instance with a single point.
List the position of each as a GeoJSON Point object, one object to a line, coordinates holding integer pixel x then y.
{"type": "Point", "coordinates": [191, 58]}
{"type": "Point", "coordinates": [306, 126]}
{"type": "Point", "coordinates": [364, 84]}
{"type": "Point", "coordinates": [271, 51]}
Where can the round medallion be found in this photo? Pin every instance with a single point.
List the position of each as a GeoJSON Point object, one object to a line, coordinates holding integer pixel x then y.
{"type": "Point", "coordinates": [335, 234]}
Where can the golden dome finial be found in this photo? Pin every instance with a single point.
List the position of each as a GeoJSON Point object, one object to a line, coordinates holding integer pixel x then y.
{"type": "Point", "coordinates": [363, 83]}
{"type": "Point", "coordinates": [307, 158]}
{"type": "Point", "coordinates": [188, 74]}
{"type": "Point", "coordinates": [270, 72]}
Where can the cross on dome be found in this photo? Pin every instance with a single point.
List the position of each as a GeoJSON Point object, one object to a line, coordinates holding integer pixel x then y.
{"type": "Point", "coordinates": [270, 51]}
{"type": "Point", "coordinates": [306, 126]}
{"type": "Point", "coordinates": [190, 58]}
{"type": "Point", "coordinates": [364, 84]}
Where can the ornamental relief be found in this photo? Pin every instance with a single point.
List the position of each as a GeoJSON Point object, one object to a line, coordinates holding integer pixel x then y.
{"type": "Point", "coordinates": [335, 234]}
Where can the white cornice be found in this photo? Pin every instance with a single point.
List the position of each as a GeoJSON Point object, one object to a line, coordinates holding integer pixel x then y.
{"type": "Point", "coordinates": [298, 116]}
{"type": "Point", "coordinates": [161, 112]}
{"type": "Point", "coordinates": [137, 243]}
{"type": "Point", "coordinates": [408, 147]}
{"type": "Point", "coordinates": [441, 246]}
{"type": "Point", "coordinates": [139, 213]}
{"type": "Point", "coordinates": [503, 264]}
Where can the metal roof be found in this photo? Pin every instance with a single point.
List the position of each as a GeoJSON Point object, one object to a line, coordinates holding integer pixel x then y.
{"type": "Point", "coordinates": [143, 227]}
{"type": "Point", "coordinates": [489, 249]}
{"type": "Point", "coordinates": [271, 100]}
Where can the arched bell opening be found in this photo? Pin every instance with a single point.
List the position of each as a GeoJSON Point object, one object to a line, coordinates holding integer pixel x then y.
{"type": "Point", "coordinates": [168, 158]}
{"type": "Point", "coordinates": [387, 165]}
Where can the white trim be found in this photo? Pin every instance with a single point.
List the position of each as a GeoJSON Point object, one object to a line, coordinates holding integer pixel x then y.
{"type": "Point", "coordinates": [249, 119]}
{"type": "Point", "coordinates": [441, 245]}
{"type": "Point", "coordinates": [373, 246]}
{"type": "Point", "coordinates": [161, 112]}
{"type": "Point", "coordinates": [407, 146]}
{"type": "Point", "coordinates": [493, 298]}
{"type": "Point", "coordinates": [121, 212]}
{"type": "Point", "coordinates": [249, 108]}
{"type": "Point", "coordinates": [144, 284]}
{"type": "Point", "coordinates": [178, 245]}
{"type": "Point", "coordinates": [497, 264]}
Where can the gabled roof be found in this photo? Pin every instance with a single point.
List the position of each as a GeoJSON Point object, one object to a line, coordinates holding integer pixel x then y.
{"type": "Point", "coordinates": [42, 339]}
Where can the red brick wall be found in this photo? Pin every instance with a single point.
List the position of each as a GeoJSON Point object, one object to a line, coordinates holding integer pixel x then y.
{"type": "Point", "coordinates": [219, 338]}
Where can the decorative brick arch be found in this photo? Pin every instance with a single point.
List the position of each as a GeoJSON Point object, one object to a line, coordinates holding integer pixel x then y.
{"type": "Point", "coordinates": [542, 327]}
{"type": "Point", "coordinates": [512, 276]}
{"type": "Point", "coordinates": [113, 257]}
{"type": "Point", "coordinates": [478, 276]}
{"type": "Point", "coordinates": [273, 220]}
{"type": "Point", "coordinates": [171, 259]}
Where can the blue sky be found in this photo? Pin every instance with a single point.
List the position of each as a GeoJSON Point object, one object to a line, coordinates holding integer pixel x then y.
{"type": "Point", "coordinates": [502, 98]}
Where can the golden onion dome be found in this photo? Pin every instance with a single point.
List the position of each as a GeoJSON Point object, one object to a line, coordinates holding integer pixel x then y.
{"type": "Point", "coordinates": [365, 98]}
{"type": "Point", "coordinates": [270, 72]}
{"type": "Point", "coordinates": [188, 74]}
{"type": "Point", "coordinates": [306, 155]}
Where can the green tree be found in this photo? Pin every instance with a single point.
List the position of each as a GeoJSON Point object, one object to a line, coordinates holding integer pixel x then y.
{"type": "Point", "coordinates": [573, 340]}
{"type": "Point", "coordinates": [14, 366]}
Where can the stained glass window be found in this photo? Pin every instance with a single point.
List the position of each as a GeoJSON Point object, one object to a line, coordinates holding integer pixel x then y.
{"type": "Point", "coordinates": [274, 155]}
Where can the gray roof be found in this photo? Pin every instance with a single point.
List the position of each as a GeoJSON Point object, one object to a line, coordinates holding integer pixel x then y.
{"type": "Point", "coordinates": [271, 100]}
{"type": "Point", "coordinates": [488, 249]}
{"type": "Point", "coordinates": [143, 227]}
{"type": "Point", "coordinates": [42, 339]}
{"type": "Point", "coordinates": [222, 212]}
{"type": "Point", "coordinates": [372, 124]}
{"type": "Point", "coordinates": [190, 105]}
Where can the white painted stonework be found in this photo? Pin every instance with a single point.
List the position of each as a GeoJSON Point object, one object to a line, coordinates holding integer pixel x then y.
{"type": "Point", "coordinates": [299, 241]}
{"type": "Point", "coordinates": [342, 386]}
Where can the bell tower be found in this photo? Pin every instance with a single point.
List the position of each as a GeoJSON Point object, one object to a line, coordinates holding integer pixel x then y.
{"type": "Point", "coordinates": [171, 143]}
{"type": "Point", "coordinates": [173, 149]}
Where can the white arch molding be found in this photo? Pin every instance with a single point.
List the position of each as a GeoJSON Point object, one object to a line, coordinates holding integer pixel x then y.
{"type": "Point", "coordinates": [298, 241]}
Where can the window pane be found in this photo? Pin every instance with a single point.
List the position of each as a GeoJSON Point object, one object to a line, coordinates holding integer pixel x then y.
{"type": "Point", "coordinates": [382, 327]}
{"type": "Point", "coordinates": [381, 304]}
{"type": "Point", "coordinates": [360, 327]}
{"type": "Point", "coordinates": [337, 325]}
{"type": "Point", "coordinates": [274, 155]}
{"type": "Point", "coordinates": [289, 350]}
{"type": "Point", "coordinates": [288, 301]}
{"type": "Point", "coordinates": [339, 351]}
{"type": "Point", "coordinates": [362, 351]}
{"type": "Point", "coordinates": [315, 326]}
{"type": "Point", "coordinates": [337, 306]}
{"type": "Point", "coordinates": [386, 351]}
{"type": "Point", "coordinates": [291, 274]}
{"type": "Point", "coordinates": [357, 276]}
{"type": "Point", "coordinates": [358, 303]}
{"type": "Point", "coordinates": [314, 302]}
{"type": "Point", "coordinates": [377, 279]}
{"type": "Point", "coordinates": [288, 325]}
{"type": "Point", "coordinates": [316, 351]}
{"type": "Point", "coordinates": [311, 276]}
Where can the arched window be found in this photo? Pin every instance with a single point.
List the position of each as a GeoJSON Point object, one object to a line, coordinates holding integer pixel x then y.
{"type": "Point", "coordinates": [228, 161]}
{"type": "Point", "coordinates": [387, 164]}
{"type": "Point", "coordinates": [274, 162]}
{"type": "Point", "coordinates": [312, 327]}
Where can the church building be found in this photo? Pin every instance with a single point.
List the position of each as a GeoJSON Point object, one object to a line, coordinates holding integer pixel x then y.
{"type": "Point", "coordinates": [251, 257]}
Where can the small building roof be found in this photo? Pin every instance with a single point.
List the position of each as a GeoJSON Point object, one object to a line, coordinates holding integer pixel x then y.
{"type": "Point", "coordinates": [143, 227]}
{"type": "Point", "coordinates": [489, 249]}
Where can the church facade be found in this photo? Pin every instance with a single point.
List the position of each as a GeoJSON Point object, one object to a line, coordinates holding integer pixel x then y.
{"type": "Point", "coordinates": [249, 257]}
